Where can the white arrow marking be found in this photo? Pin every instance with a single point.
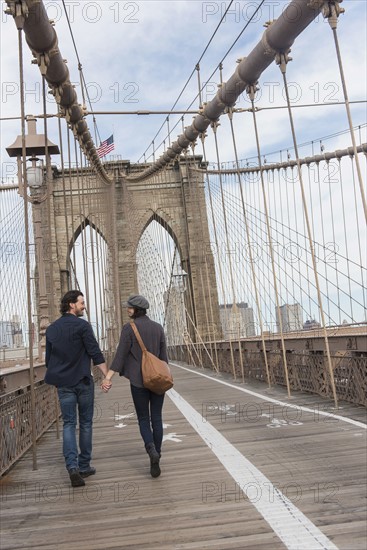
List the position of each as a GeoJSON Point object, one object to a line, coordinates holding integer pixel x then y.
{"type": "Point", "coordinates": [173, 437]}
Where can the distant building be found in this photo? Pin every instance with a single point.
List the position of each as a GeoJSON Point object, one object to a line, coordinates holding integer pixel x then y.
{"type": "Point", "coordinates": [11, 335]}
{"type": "Point", "coordinates": [237, 320]}
{"type": "Point", "coordinates": [175, 325]}
{"type": "Point", "coordinates": [291, 317]}
{"type": "Point", "coordinates": [17, 332]}
{"type": "Point", "coordinates": [311, 324]}
{"type": "Point", "coordinates": [6, 339]}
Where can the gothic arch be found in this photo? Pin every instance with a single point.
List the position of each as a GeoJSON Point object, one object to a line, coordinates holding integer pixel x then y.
{"type": "Point", "coordinates": [80, 228]}
{"type": "Point", "coordinates": [167, 226]}
{"type": "Point", "coordinates": [173, 204]}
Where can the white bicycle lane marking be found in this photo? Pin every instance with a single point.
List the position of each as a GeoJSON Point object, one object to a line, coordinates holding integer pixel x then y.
{"type": "Point", "coordinates": [277, 401]}
{"type": "Point", "coordinates": [293, 528]}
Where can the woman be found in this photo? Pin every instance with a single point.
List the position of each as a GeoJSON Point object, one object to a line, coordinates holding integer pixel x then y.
{"type": "Point", "coordinates": [127, 362]}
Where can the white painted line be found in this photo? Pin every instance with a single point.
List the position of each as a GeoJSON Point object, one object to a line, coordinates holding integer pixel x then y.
{"type": "Point", "coordinates": [294, 529]}
{"type": "Point", "coordinates": [276, 401]}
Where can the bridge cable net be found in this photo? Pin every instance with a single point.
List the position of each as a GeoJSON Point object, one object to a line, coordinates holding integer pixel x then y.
{"type": "Point", "coordinates": [242, 281]}
{"type": "Point", "coordinates": [235, 221]}
{"type": "Point", "coordinates": [33, 15]}
{"type": "Point", "coordinates": [29, 231]}
{"type": "Point", "coordinates": [88, 205]}
{"type": "Point", "coordinates": [15, 337]}
{"type": "Point", "coordinates": [92, 258]}
{"type": "Point", "coordinates": [287, 242]}
{"type": "Point", "coordinates": [196, 68]}
{"type": "Point", "coordinates": [86, 263]}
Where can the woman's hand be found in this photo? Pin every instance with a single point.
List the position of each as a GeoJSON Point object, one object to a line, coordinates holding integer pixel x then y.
{"type": "Point", "coordinates": [106, 385]}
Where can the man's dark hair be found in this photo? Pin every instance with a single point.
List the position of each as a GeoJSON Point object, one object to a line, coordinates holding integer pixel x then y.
{"type": "Point", "coordinates": [71, 297]}
{"type": "Point", "coordinates": [138, 312]}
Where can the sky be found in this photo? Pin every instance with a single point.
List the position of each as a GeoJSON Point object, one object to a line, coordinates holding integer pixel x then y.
{"type": "Point", "coordinates": [139, 55]}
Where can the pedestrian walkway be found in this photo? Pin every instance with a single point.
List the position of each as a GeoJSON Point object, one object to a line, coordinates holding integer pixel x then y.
{"type": "Point", "coordinates": [243, 466]}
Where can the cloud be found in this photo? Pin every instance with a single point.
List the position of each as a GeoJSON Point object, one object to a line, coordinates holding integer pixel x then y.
{"type": "Point", "coordinates": [138, 55]}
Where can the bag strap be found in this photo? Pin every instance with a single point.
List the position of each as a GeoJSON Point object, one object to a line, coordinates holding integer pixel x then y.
{"type": "Point", "coordinates": [138, 337]}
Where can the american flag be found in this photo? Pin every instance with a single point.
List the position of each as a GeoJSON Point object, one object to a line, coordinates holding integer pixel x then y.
{"type": "Point", "coordinates": [106, 147]}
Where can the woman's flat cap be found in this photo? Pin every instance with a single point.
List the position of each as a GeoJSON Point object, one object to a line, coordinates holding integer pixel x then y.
{"type": "Point", "coordinates": [137, 301]}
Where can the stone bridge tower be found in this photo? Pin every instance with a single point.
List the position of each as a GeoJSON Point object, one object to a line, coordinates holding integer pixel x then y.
{"type": "Point", "coordinates": [121, 212]}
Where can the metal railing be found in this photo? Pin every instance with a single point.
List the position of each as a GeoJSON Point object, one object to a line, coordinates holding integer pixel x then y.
{"type": "Point", "coordinates": [307, 369]}
{"type": "Point", "coordinates": [16, 419]}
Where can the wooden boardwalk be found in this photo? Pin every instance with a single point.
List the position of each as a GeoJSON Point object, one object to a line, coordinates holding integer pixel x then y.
{"type": "Point", "coordinates": [243, 467]}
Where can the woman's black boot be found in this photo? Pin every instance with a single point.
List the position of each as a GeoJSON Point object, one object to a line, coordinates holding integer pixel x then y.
{"type": "Point", "coordinates": [155, 470]}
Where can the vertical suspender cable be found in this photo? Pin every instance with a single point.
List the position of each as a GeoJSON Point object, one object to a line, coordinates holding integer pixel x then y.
{"type": "Point", "coordinates": [101, 276]}
{"type": "Point", "coordinates": [282, 61]}
{"type": "Point", "coordinates": [215, 230]}
{"type": "Point", "coordinates": [27, 257]}
{"type": "Point", "coordinates": [72, 242]}
{"type": "Point", "coordinates": [251, 258]}
{"type": "Point", "coordinates": [115, 260]}
{"type": "Point", "coordinates": [305, 243]}
{"type": "Point", "coordinates": [48, 205]}
{"type": "Point", "coordinates": [93, 258]}
{"type": "Point", "coordinates": [358, 232]}
{"type": "Point", "coordinates": [64, 192]}
{"type": "Point", "coordinates": [251, 92]}
{"type": "Point", "coordinates": [345, 236]}
{"type": "Point", "coordinates": [334, 240]}
{"type": "Point", "coordinates": [79, 176]}
{"type": "Point", "coordinates": [332, 14]}
{"type": "Point", "coordinates": [92, 193]}
{"type": "Point", "coordinates": [234, 300]}
{"type": "Point", "coordinates": [205, 283]}
{"type": "Point", "coordinates": [48, 194]}
{"type": "Point", "coordinates": [193, 186]}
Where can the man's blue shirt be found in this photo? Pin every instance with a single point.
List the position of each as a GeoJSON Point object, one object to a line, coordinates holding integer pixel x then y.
{"type": "Point", "coordinates": [70, 347]}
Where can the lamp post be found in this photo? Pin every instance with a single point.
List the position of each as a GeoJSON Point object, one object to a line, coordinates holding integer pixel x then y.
{"type": "Point", "coordinates": [38, 194]}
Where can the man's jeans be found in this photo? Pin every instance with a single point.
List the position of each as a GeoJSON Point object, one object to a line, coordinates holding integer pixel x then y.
{"type": "Point", "coordinates": [150, 422]}
{"type": "Point", "coordinates": [71, 398]}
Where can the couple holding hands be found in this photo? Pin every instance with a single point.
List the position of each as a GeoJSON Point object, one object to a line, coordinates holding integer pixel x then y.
{"type": "Point", "coordinates": [70, 346]}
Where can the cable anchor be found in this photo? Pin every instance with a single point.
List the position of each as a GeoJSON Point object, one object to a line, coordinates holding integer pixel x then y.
{"type": "Point", "coordinates": [281, 59]}
{"type": "Point", "coordinates": [43, 61]}
{"type": "Point", "coordinates": [331, 10]}
{"type": "Point", "coordinates": [19, 11]}
{"type": "Point", "coordinates": [251, 90]}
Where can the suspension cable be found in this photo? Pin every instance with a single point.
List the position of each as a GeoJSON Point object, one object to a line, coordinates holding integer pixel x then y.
{"type": "Point", "coordinates": [251, 93]}
{"type": "Point", "coordinates": [27, 255]}
{"type": "Point", "coordinates": [193, 72]}
{"type": "Point", "coordinates": [83, 84]}
{"type": "Point", "coordinates": [282, 60]}
{"type": "Point", "coordinates": [332, 10]}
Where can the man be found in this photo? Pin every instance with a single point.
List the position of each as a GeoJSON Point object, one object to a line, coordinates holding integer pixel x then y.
{"type": "Point", "coordinates": [70, 347]}
{"type": "Point", "coordinates": [127, 363]}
